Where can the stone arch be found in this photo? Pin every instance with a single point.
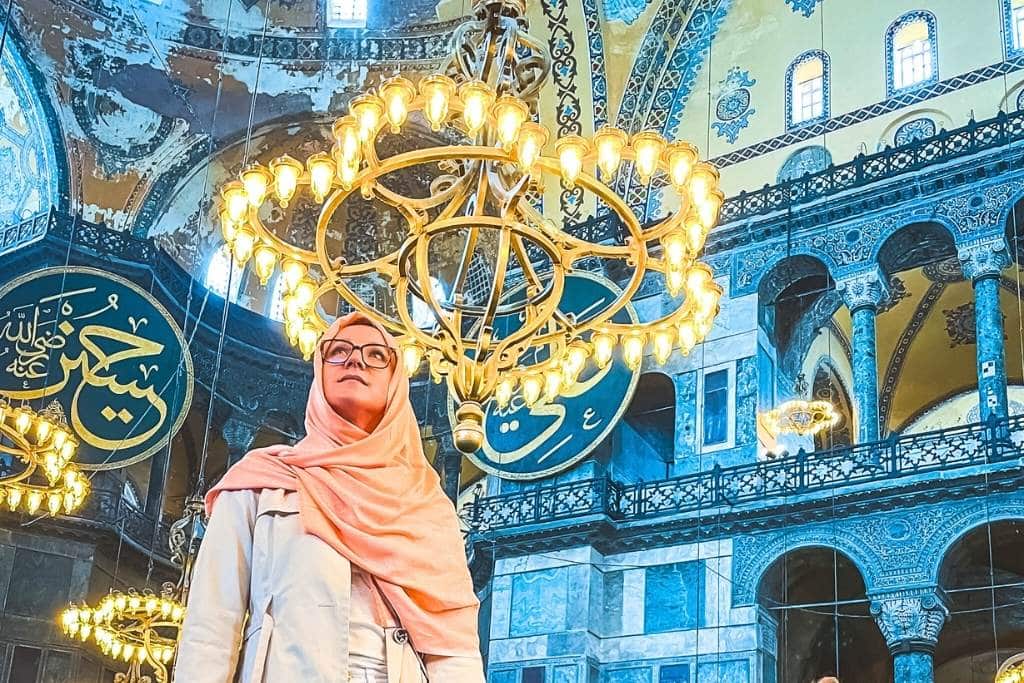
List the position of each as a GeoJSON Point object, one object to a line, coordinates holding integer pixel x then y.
{"type": "Point", "coordinates": [961, 522]}
{"type": "Point", "coordinates": [913, 243]}
{"type": "Point", "coordinates": [38, 155]}
{"type": "Point", "coordinates": [818, 600]}
{"type": "Point", "coordinates": [753, 555]}
{"type": "Point", "coordinates": [840, 394]}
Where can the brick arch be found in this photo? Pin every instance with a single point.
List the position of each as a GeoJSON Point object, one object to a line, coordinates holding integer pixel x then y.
{"type": "Point", "coordinates": [963, 522]}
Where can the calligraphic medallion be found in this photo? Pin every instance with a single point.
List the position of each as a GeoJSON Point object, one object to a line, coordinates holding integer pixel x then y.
{"type": "Point", "coordinates": [106, 350]}
{"type": "Point", "coordinates": [524, 443]}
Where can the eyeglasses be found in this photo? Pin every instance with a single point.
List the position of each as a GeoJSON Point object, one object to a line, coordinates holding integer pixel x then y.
{"type": "Point", "coordinates": [338, 352]}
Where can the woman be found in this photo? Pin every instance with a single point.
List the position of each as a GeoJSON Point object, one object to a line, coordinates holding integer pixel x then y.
{"type": "Point", "coordinates": [312, 550]}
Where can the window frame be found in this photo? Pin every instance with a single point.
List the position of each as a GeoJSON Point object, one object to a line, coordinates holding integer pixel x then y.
{"type": "Point", "coordinates": [234, 289]}
{"type": "Point", "coordinates": [345, 23]}
{"type": "Point", "coordinates": [826, 87]}
{"type": "Point", "coordinates": [730, 429]}
{"type": "Point", "coordinates": [931, 51]}
{"type": "Point", "coordinates": [1013, 28]}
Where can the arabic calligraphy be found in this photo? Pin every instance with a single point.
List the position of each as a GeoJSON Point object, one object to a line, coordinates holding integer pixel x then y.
{"type": "Point", "coordinates": [524, 443]}
{"type": "Point", "coordinates": [106, 350]}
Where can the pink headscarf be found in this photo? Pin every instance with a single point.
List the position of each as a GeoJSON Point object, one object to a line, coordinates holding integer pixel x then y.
{"type": "Point", "coordinates": [375, 499]}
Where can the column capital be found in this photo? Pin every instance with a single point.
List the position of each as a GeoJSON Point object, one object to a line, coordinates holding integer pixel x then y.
{"type": "Point", "coordinates": [984, 259]}
{"type": "Point", "coordinates": [910, 620]}
{"type": "Point", "coordinates": [866, 289]}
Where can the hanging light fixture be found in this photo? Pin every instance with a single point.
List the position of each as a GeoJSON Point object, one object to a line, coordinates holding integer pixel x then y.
{"type": "Point", "coordinates": [1012, 670]}
{"type": "Point", "coordinates": [40, 450]}
{"type": "Point", "coordinates": [800, 416]}
{"type": "Point", "coordinates": [136, 628]}
{"type": "Point", "coordinates": [509, 339]}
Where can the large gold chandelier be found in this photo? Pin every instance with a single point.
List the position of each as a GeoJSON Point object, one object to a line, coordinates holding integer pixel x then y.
{"type": "Point", "coordinates": [137, 628]}
{"type": "Point", "coordinates": [512, 340]}
{"type": "Point", "coordinates": [39, 448]}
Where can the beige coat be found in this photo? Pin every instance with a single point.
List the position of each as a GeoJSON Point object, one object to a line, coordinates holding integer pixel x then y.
{"type": "Point", "coordinates": [256, 561]}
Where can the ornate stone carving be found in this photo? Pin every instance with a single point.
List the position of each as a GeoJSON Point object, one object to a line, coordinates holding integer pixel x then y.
{"type": "Point", "coordinates": [238, 436]}
{"type": "Point", "coordinates": [986, 259]}
{"type": "Point", "coordinates": [867, 289]}
{"type": "Point", "coordinates": [911, 619]}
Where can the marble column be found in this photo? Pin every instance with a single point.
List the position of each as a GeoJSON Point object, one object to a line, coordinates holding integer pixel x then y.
{"type": "Point", "coordinates": [982, 263]}
{"type": "Point", "coordinates": [910, 621]}
{"type": "Point", "coordinates": [863, 293]}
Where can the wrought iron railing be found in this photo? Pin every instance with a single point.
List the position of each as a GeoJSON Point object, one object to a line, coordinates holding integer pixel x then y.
{"type": "Point", "coordinates": [881, 462]}
{"type": "Point", "coordinates": [891, 162]}
{"type": "Point", "coordinates": [29, 230]}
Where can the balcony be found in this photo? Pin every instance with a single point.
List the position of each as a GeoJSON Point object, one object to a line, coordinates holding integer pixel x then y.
{"type": "Point", "coordinates": [917, 461]}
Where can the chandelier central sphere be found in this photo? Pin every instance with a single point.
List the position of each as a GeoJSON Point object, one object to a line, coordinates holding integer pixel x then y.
{"type": "Point", "coordinates": [506, 337]}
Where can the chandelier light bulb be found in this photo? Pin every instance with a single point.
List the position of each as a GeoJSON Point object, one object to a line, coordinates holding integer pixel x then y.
{"type": "Point", "coordinates": [347, 172]}
{"type": "Point", "coordinates": [346, 139]}
{"type": "Point", "coordinates": [292, 271]}
{"type": "Point", "coordinates": [228, 227]}
{"type": "Point", "coordinates": [43, 429]}
{"type": "Point", "coordinates": [368, 109]}
{"type": "Point", "coordinates": [604, 346]}
{"type": "Point", "coordinates": [680, 157]}
{"type": "Point", "coordinates": [709, 208]}
{"type": "Point", "coordinates": [532, 138]}
{"type": "Point", "coordinates": [633, 350]}
{"type": "Point", "coordinates": [570, 150]}
{"type": "Point", "coordinates": [503, 392]}
{"type": "Point", "coordinates": [609, 143]}
{"type": "Point", "coordinates": [687, 336]}
{"type": "Point", "coordinates": [674, 246]}
{"type": "Point", "coordinates": [59, 438]}
{"type": "Point", "coordinates": [14, 498]}
{"type": "Point", "coordinates": [287, 171]}
{"type": "Point", "coordinates": [704, 180]}
{"type": "Point", "coordinates": [661, 344]}
{"type": "Point", "coordinates": [437, 91]}
{"type": "Point", "coordinates": [256, 181]}
{"type": "Point", "coordinates": [307, 340]}
{"type": "Point", "coordinates": [698, 280]}
{"type": "Point", "coordinates": [552, 384]}
{"type": "Point", "coordinates": [675, 280]}
{"type": "Point", "coordinates": [304, 292]}
{"type": "Point", "coordinates": [477, 98]}
{"type": "Point", "coordinates": [264, 259]}
{"type": "Point", "coordinates": [574, 362]}
{"type": "Point", "coordinates": [33, 501]}
{"type": "Point", "coordinates": [235, 200]}
{"type": "Point", "coordinates": [397, 94]}
{"type": "Point", "coordinates": [412, 356]}
{"type": "Point", "coordinates": [243, 245]}
{"type": "Point", "coordinates": [510, 113]}
{"type": "Point", "coordinates": [321, 175]}
{"type": "Point", "coordinates": [53, 502]}
{"type": "Point", "coordinates": [647, 147]}
{"type": "Point", "coordinates": [532, 386]}
{"type": "Point", "coordinates": [22, 421]}
{"type": "Point", "coordinates": [696, 233]}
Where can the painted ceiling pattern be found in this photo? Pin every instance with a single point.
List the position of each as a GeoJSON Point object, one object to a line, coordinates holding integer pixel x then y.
{"type": "Point", "coordinates": [26, 163]}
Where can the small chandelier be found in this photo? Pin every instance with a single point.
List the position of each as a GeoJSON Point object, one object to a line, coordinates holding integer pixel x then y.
{"type": "Point", "coordinates": [137, 628]}
{"type": "Point", "coordinates": [1012, 670]}
{"type": "Point", "coordinates": [799, 416]}
{"type": "Point", "coordinates": [511, 339]}
{"type": "Point", "coordinates": [39, 448]}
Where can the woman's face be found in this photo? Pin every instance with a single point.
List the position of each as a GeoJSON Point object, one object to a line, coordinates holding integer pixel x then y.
{"type": "Point", "coordinates": [354, 383]}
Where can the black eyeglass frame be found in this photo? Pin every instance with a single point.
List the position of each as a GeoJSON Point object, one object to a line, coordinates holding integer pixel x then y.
{"type": "Point", "coordinates": [324, 345]}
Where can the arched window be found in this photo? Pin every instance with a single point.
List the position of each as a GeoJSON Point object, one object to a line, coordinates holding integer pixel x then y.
{"type": "Point", "coordinates": [218, 272]}
{"type": "Point", "coordinates": [276, 309]}
{"type": "Point", "coordinates": [807, 89]}
{"type": "Point", "coordinates": [346, 13]}
{"type": "Point", "coordinates": [1014, 11]}
{"type": "Point", "coordinates": [911, 52]}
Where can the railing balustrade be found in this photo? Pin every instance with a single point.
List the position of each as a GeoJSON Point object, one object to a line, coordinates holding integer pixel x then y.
{"type": "Point", "coordinates": [880, 462]}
